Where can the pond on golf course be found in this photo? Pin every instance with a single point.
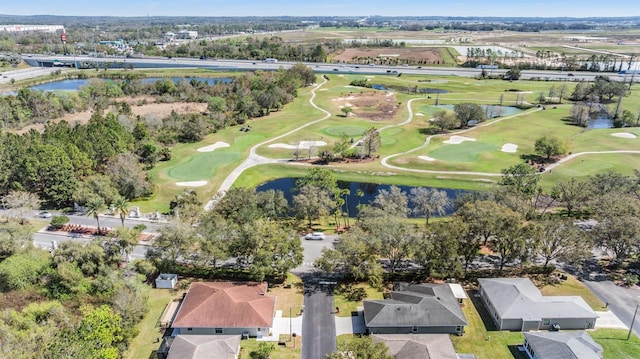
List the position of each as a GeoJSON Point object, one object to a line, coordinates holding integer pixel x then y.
{"type": "Point", "coordinates": [369, 191]}
{"type": "Point", "coordinates": [74, 85]}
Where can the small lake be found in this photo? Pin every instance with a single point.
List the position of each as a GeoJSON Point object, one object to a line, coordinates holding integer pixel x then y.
{"type": "Point", "coordinates": [601, 120]}
{"type": "Point", "coordinates": [74, 85]}
{"type": "Point", "coordinates": [370, 191]}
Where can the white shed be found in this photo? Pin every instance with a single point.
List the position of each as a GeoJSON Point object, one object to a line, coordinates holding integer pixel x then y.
{"type": "Point", "coordinates": [166, 281]}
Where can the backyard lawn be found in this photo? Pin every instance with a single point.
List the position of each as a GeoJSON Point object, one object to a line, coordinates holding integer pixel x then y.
{"type": "Point", "coordinates": [145, 345]}
{"type": "Point", "coordinates": [481, 337]}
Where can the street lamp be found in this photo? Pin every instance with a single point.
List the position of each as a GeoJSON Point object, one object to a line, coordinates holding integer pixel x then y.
{"type": "Point", "coordinates": [291, 318]}
{"type": "Point", "coordinates": [633, 320]}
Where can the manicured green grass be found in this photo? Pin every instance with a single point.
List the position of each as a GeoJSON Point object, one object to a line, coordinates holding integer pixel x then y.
{"type": "Point", "coordinates": [146, 343]}
{"type": "Point", "coordinates": [572, 286]}
{"type": "Point", "coordinates": [348, 130]}
{"type": "Point", "coordinates": [202, 166]}
{"type": "Point", "coordinates": [347, 305]}
{"type": "Point", "coordinates": [481, 338]}
{"type": "Point", "coordinates": [615, 344]}
{"type": "Point", "coordinates": [467, 151]}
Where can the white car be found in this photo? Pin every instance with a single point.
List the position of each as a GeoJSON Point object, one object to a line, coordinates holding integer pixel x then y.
{"type": "Point", "coordinates": [315, 236]}
{"type": "Point", "coordinates": [45, 215]}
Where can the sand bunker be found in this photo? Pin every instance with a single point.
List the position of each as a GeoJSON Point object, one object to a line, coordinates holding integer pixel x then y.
{"type": "Point", "coordinates": [302, 145]}
{"type": "Point", "coordinates": [419, 114]}
{"type": "Point", "coordinates": [427, 158]}
{"type": "Point", "coordinates": [454, 140]}
{"type": "Point", "coordinates": [213, 147]}
{"type": "Point", "coordinates": [191, 184]}
{"type": "Point", "coordinates": [624, 135]}
{"type": "Point", "coordinates": [509, 147]}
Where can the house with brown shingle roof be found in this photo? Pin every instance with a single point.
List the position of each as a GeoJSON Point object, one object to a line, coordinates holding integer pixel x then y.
{"type": "Point", "coordinates": [225, 308]}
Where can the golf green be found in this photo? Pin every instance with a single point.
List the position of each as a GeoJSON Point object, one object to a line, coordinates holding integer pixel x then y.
{"type": "Point", "coordinates": [466, 151]}
{"type": "Point", "coordinates": [348, 130]}
{"type": "Point", "coordinates": [202, 166]}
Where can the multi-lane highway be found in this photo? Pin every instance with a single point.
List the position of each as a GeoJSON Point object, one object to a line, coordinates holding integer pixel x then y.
{"type": "Point", "coordinates": [243, 65]}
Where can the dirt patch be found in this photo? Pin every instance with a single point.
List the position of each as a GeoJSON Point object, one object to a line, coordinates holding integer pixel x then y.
{"type": "Point", "coordinates": [159, 110]}
{"type": "Point", "coordinates": [390, 55]}
{"type": "Point", "coordinates": [376, 106]}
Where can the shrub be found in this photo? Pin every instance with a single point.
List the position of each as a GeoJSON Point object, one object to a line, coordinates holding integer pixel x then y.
{"type": "Point", "coordinates": [58, 222]}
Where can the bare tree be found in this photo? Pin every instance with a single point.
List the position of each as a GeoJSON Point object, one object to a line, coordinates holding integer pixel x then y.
{"type": "Point", "coordinates": [21, 202]}
{"type": "Point", "coordinates": [429, 201]}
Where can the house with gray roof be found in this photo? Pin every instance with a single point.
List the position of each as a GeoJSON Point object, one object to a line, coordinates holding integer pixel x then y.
{"type": "Point", "coordinates": [417, 309]}
{"type": "Point", "coordinates": [417, 346]}
{"type": "Point", "coordinates": [516, 304]}
{"type": "Point", "coordinates": [200, 347]}
{"type": "Point", "coordinates": [561, 345]}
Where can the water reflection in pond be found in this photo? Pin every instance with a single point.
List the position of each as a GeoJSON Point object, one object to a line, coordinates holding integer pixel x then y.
{"type": "Point", "coordinates": [74, 85]}
{"type": "Point", "coordinates": [369, 191]}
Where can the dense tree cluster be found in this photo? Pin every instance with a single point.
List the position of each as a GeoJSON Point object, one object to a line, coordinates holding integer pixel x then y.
{"type": "Point", "coordinates": [71, 303]}
{"type": "Point", "coordinates": [246, 226]}
{"type": "Point", "coordinates": [513, 221]}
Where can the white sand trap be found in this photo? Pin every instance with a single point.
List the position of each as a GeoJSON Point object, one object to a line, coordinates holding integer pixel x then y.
{"type": "Point", "coordinates": [213, 147]}
{"type": "Point", "coordinates": [191, 184]}
{"type": "Point", "coordinates": [323, 90]}
{"type": "Point", "coordinates": [302, 145]}
{"type": "Point", "coordinates": [427, 158]}
{"type": "Point", "coordinates": [350, 86]}
{"type": "Point", "coordinates": [455, 140]}
{"type": "Point", "coordinates": [419, 114]}
{"type": "Point", "coordinates": [370, 77]}
{"type": "Point", "coordinates": [624, 135]}
{"type": "Point", "coordinates": [340, 75]}
{"type": "Point", "coordinates": [509, 147]}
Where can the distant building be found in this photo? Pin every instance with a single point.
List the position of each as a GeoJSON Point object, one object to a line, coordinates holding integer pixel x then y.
{"type": "Point", "coordinates": [187, 35]}
{"type": "Point", "coordinates": [31, 28]}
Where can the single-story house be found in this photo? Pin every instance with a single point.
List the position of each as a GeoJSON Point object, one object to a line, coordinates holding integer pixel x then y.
{"type": "Point", "coordinates": [200, 347]}
{"type": "Point", "coordinates": [225, 308]}
{"type": "Point", "coordinates": [561, 345]}
{"type": "Point", "coordinates": [417, 309]}
{"type": "Point", "coordinates": [516, 304]}
{"type": "Point", "coordinates": [417, 346]}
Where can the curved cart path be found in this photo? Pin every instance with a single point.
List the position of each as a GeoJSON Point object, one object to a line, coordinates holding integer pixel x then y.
{"type": "Point", "coordinates": [255, 159]}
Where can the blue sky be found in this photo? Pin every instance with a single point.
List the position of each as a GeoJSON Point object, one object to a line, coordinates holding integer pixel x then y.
{"type": "Point", "coordinates": [540, 8]}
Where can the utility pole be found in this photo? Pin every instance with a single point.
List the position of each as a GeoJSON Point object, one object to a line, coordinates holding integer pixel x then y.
{"type": "Point", "coordinates": [633, 321]}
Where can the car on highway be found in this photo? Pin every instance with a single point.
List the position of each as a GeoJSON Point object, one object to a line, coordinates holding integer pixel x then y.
{"type": "Point", "coordinates": [317, 236]}
{"type": "Point", "coordinates": [45, 215]}
{"type": "Point", "coordinates": [570, 75]}
{"type": "Point", "coordinates": [336, 70]}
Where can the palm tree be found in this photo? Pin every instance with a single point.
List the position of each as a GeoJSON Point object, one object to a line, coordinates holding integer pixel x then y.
{"type": "Point", "coordinates": [94, 207]}
{"type": "Point", "coordinates": [122, 206]}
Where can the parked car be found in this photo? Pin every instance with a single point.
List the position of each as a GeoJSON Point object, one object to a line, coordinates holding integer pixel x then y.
{"type": "Point", "coordinates": [45, 215]}
{"type": "Point", "coordinates": [315, 236]}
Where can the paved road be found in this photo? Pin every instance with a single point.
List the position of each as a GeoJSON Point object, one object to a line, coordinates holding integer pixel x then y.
{"type": "Point", "coordinates": [622, 301]}
{"type": "Point", "coordinates": [158, 62]}
{"type": "Point", "coordinates": [318, 323]}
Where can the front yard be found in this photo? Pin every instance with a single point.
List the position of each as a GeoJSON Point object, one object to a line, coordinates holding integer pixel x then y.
{"type": "Point", "coordinates": [281, 352]}
{"type": "Point", "coordinates": [348, 297]}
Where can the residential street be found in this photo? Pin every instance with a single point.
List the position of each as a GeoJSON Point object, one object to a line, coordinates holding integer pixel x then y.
{"type": "Point", "coordinates": [622, 301]}
{"type": "Point", "coordinates": [318, 322]}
